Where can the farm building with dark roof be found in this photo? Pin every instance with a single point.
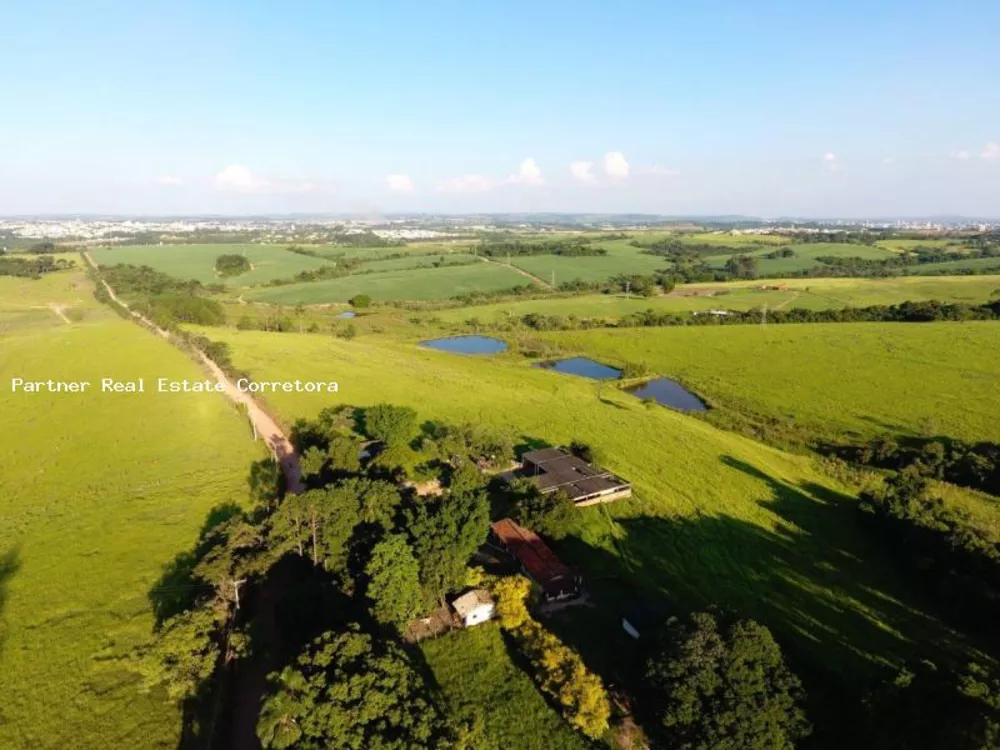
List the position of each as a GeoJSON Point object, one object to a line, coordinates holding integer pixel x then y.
{"type": "Point", "coordinates": [555, 470]}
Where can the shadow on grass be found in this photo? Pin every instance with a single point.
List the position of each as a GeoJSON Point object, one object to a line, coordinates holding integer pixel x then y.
{"type": "Point", "coordinates": [843, 614]}
{"type": "Point", "coordinates": [10, 563]}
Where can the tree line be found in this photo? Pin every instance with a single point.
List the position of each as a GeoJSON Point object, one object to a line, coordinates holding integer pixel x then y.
{"type": "Point", "coordinates": [905, 312]}
{"type": "Point", "coordinates": [32, 268]}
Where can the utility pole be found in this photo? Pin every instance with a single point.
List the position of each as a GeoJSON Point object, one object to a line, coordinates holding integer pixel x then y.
{"type": "Point", "coordinates": [763, 317]}
{"type": "Point", "coordinates": [628, 289]}
{"type": "Point", "coordinates": [553, 278]}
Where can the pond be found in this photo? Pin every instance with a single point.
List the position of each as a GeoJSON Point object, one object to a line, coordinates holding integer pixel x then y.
{"type": "Point", "coordinates": [583, 367]}
{"type": "Point", "coordinates": [467, 345]}
{"type": "Point", "coordinates": [669, 393]}
{"type": "Point", "coordinates": [347, 314]}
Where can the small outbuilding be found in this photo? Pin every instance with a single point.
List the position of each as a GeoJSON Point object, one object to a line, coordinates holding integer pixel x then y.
{"type": "Point", "coordinates": [474, 607]}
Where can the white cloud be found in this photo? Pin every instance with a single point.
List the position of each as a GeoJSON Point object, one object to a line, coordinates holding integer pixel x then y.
{"type": "Point", "coordinates": [467, 183]}
{"type": "Point", "coordinates": [960, 155]}
{"type": "Point", "coordinates": [528, 173]}
{"type": "Point", "coordinates": [239, 179]}
{"type": "Point", "coordinates": [991, 152]}
{"type": "Point", "coordinates": [615, 166]}
{"type": "Point", "coordinates": [168, 180]}
{"type": "Point", "coordinates": [583, 172]}
{"type": "Point", "coordinates": [830, 159]}
{"type": "Point", "coordinates": [887, 160]}
{"type": "Point", "coordinates": [400, 183]}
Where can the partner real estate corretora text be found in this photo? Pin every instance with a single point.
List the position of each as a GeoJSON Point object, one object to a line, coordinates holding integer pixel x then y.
{"type": "Point", "coordinates": [167, 385]}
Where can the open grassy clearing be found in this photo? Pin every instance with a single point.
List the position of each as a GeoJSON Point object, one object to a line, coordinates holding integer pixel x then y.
{"type": "Point", "coordinates": [902, 245]}
{"type": "Point", "coordinates": [418, 261]}
{"type": "Point", "coordinates": [805, 256]}
{"type": "Point", "coordinates": [865, 378]}
{"type": "Point", "coordinates": [625, 260]}
{"type": "Point", "coordinates": [736, 240]}
{"type": "Point", "coordinates": [100, 492]}
{"type": "Point", "coordinates": [198, 261]}
{"type": "Point", "coordinates": [27, 304]}
{"type": "Point", "coordinates": [475, 673]}
{"type": "Point", "coordinates": [419, 284]}
{"type": "Point", "coordinates": [815, 294]}
{"type": "Point", "coordinates": [978, 264]}
{"type": "Point", "coordinates": [716, 517]}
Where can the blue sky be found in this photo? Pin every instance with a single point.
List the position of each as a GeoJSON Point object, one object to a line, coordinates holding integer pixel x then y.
{"type": "Point", "coordinates": [769, 108]}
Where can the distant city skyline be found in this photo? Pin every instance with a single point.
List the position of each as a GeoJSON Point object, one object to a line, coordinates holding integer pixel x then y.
{"type": "Point", "coordinates": [776, 109]}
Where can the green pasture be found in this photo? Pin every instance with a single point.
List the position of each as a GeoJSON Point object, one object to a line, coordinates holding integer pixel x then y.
{"type": "Point", "coordinates": [715, 517]}
{"type": "Point", "coordinates": [736, 240]}
{"type": "Point", "coordinates": [834, 379]}
{"type": "Point", "coordinates": [198, 261]}
{"type": "Point", "coordinates": [474, 671]}
{"type": "Point", "coordinates": [418, 261]}
{"type": "Point", "coordinates": [100, 492]}
{"type": "Point", "coordinates": [620, 260]}
{"type": "Point", "coordinates": [902, 245]}
{"type": "Point", "coordinates": [418, 284]}
{"type": "Point", "coordinates": [805, 256]}
{"type": "Point", "coordinates": [814, 294]}
{"type": "Point", "coordinates": [951, 266]}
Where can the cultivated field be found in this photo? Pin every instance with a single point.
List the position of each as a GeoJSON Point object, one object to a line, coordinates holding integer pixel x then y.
{"type": "Point", "coordinates": [100, 492]}
{"type": "Point", "coordinates": [419, 284]}
{"type": "Point", "coordinates": [476, 675]}
{"type": "Point", "coordinates": [716, 517]}
{"type": "Point", "coordinates": [833, 378]}
{"type": "Point", "coordinates": [805, 256]}
{"type": "Point", "coordinates": [814, 294]}
{"type": "Point", "coordinates": [198, 261]}
{"type": "Point", "coordinates": [625, 260]}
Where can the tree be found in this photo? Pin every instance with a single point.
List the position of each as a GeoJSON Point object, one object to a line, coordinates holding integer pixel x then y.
{"type": "Point", "coordinates": [343, 453]}
{"type": "Point", "coordinates": [445, 533]}
{"type": "Point", "coordinates": [511, 593]}
{"type": "Point", "coordinates": [552, 514]}
{"type": "Point", "coordinates": [360, 301]}
{"type": "Point", "coordinates": [393, 425]}
{"type": "Point", "coordinates": [742, 266]}
{"type": "Point", "coordinates": [348, 690]}
{"type": "Point", "coordinates": [394, 582]}
{"type": "Point", "coordinates": [725, 689]}
{"type": "Point", "coordinates": [182, 655]}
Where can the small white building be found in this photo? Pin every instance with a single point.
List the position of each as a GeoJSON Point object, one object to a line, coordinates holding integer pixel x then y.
{"type": "Point", "coordinates": [474, 607]}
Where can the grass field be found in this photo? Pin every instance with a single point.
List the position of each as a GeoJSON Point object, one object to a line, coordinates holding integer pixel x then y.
{"type": "Point", "coordinates": [715, 517]}
{"type": "Point", "coordinates": [978, 264]}
{"type": "Point", "coordinates": [805, 256]}
{"type": "Point", "coordinates": [736, 240]}
{"type": "Point", "coordinates": [99, 493]}
{"type": "Point", "coordinates": [419, 284]}
{"type": "Point", "coordinates": [475, 672]}
{"type": "Point", "coordinates": [865, 378]}
{"type": "Point", "coordinates": [901, 245]}
{"type": "Point", "coordinates": [198, 261]}
{"type": "Point", "coordinates": [621, 259]}
{"type": "Point", "coordinates": [815, 294]}
{"type": "Point", "coordinates": [418, 261]}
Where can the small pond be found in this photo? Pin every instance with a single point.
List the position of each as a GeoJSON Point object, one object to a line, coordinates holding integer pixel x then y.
{"type": "Point", "coordinates": [583, 367]}
{"type": "Point", "coordinates": [347, 314]}
{"type": "Point", "coordinates": [467, 345]}
{"type": "Point", "coordinates": [669, 393]}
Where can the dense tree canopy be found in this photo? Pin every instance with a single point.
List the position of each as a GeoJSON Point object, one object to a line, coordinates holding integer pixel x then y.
{"type": "Point", "coordinates": [724, 688]}
{"type": "Point", "coordinates": [350, 691]}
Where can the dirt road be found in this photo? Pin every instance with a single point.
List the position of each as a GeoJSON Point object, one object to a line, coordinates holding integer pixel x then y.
{"type": "Point", "coordinates": [266, 428]}
{"type": "Point", "coordinates": [542, 282]}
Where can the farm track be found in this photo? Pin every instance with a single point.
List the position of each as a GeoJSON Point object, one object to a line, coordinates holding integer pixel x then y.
{"type": "Point", "coordinates": [277, 442]}
{"type": "Point", "coordinates": [544, 284]}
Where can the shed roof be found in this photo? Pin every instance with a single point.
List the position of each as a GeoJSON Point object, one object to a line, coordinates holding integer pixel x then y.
{"type": "Point", "coordinates": [538, 560]}
{"type": "Point", "coordinates": [470, 601]}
